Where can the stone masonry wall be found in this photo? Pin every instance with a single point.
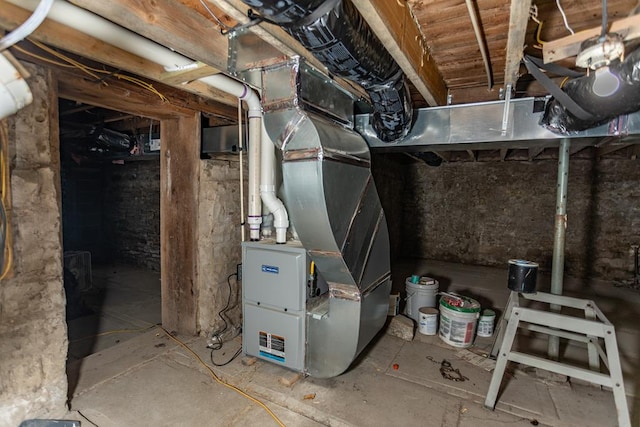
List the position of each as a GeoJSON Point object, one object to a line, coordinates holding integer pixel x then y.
{"type": "Point", "coordinates": [488, 212]}
{"type": "Point", "coordinates": [131, 218]}
{"type": "Point", "coordinates": [219, 249]}
{"type": "Point", "coordinates": [33, 333]}
{"type": "Point", "coordinates": [388, 174]}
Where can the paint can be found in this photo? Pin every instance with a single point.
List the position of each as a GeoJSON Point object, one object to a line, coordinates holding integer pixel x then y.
{"type": "Point", "coordinates": [421, 294]}
{"type": "Point", "coordinates": [522, 276]}
{"type": "Point", "coordinates": [458, 320]}
{"type": "Point", "coordinates": [428, 324]}
{"type": "Point", "coordinates": [486, 322]}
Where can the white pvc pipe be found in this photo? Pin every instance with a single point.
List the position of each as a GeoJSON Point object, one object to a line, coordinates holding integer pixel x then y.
{"type": "Point", "coordinates": [102, 29]}
{"type": "Point", "coordinates": [27, 26]}
{"type": "Point", "coordinates": [268, 188]}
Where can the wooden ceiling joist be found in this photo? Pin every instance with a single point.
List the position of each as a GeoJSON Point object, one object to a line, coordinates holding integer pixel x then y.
{"type": "Point", "coordinates": [569, 46]}
{"type": "Point", "coordinates": [472, 155]}
{"type": "Point", "coordinates": [392, 22]}
{"type": "Point", "coordinates": [73, 41]}
{"type": "Point", "coordinates": [534, 152]}
{"type": "Point", "coordinates": [518, 18]}
{"type": "Point", "coordinates": [168, 23]}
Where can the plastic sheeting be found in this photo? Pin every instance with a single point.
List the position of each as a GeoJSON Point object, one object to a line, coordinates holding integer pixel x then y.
{"type": "Point", "coordinates": [625, 100]}
{"type": "Point", "coordinates": [346, 45]}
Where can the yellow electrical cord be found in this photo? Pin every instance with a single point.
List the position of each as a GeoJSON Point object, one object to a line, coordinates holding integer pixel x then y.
{"type": "Point", "coordinates": [221, 382]}
{"type": "Point", "coordinates": [538, 31]}
{"type": "Point", "coordinates": [93, 72]}
{"type": "Point", "coordinates": [4, 185]}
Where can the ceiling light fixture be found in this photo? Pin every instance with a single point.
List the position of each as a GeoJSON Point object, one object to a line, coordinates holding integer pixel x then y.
{"type": "Point", "coordinates": [597, 53]}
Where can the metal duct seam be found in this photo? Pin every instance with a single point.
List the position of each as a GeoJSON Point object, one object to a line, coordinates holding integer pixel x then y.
{"type": "Point", "coordinates": [343, 41]}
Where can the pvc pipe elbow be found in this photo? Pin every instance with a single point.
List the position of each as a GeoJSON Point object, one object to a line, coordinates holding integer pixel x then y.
{"type": "Point", "coordinates": [281, 235]}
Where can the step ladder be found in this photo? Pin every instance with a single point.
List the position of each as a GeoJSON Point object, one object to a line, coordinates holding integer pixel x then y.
{"type": "Point", "coordinates": [593, 329]}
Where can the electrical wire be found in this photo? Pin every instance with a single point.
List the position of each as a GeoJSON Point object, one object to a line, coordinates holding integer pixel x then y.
{"type": "Point", "coordinates": [5, 237]}
{"type": "Point", "coordinates": [93, 72]}
{"type": "Point", "coordinates": [564, 17]}
{"type": "Point", "coordinates": [538, 31]}
{"type": "Point", "coordinates": [222, 314]}
{"type": "Point", "coordinates": [217, 379]}
{"type": "Point", "coordinates": [228, 361]}
{"type": "Point", "coordinates": [221, 24]}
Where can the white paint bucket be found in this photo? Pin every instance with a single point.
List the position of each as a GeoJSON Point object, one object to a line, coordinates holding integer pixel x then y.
{"type": "Point", "coordinates": [428, 324]}
{"type": "Point", "coordinates": [421, 294]}
{"type": "Point", "coordinates": [458, 319]}
{"type": "Point", "coordinates": [485, 323]}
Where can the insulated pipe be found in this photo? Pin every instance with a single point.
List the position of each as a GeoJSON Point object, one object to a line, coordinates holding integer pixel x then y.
{"type": "Point", "coordinates": [102, 29]}
{"type": "Point", "coordinates": [557, 267]}
{"type": "Point", "coordinates": [268, 188]}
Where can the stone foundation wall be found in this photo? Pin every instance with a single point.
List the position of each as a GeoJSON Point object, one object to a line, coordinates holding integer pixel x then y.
{"type": "Point", "coordinates": [488, 212]}
{"type": "Point", "coordinates": [33, 332]}
{"type": "Point", "coordinates": [131, 217]}
{"type": "Point", "coordinates": [219, 249]}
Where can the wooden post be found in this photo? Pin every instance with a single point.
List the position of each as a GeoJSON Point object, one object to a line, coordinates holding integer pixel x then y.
{"type": "Point", "coordinates": [179, 172]}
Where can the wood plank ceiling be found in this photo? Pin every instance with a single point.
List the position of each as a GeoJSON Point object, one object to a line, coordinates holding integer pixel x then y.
{"type": "Point", "coordinates": [433, 40]}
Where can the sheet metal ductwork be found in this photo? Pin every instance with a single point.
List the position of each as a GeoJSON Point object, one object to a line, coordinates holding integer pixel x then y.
{"type": "Point", "coordinates": [625, 100]}
{"type": "Point", "coordinates": [333, 204]}
{"type": "Point", "coordinates": [335, 33]}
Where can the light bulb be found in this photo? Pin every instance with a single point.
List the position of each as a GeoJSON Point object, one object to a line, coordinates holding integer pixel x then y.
{"type": "Point", "coordinates": [605, 83]}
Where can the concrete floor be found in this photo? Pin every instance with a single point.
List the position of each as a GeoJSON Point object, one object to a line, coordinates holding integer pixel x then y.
{"type": "Point", "coordinates": [149, 380]}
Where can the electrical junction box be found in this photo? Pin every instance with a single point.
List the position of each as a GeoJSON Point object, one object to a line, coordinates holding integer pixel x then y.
{"type": "Point", "coordinates": [274, 294]}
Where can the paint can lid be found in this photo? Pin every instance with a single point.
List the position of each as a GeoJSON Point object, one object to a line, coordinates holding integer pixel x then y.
{"type": "Point", "coordinates": [460, 303]}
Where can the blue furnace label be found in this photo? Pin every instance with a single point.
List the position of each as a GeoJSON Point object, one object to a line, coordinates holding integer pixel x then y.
{"type": "Point", "coordinates": [270, 269]}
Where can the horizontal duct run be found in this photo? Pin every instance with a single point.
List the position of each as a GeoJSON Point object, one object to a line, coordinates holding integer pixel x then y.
{"type": "Point", "coordinates": [480, 126]}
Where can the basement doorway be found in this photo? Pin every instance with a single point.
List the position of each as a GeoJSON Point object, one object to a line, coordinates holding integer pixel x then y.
{"type": "Point", "coordinates": [110, 177]}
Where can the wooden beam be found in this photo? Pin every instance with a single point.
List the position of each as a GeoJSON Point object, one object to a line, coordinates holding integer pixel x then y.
{"type": "Point", "coordinates": [534, 152]}
{"type": "Point", "coordinates": [555, 50]}
{"type": "Point", "coordinates": [503, 154]}
{"type": "Point", "coordinates": [610, 148]}
{"type": "Point", "coordinates": [79, 87]}
{"type": "Point", "coordinates": [169, 23]}
{"type": "Point", "coordinates": [444, 155]}
{"type": "Point", "coordinates": [179, 181]}
{"type": "Point", "coordinates": [184, 76]}
{"type": "Point", "coordinates": [576, 149]}
{"type": "Point", "coordinates": [635, 151]}
{"type": "Point", "coordinates": [117, 95]}
{"type": "Point", "coordinates": [63, 37]}
{"type": "Point", "coordinates": [472, 155]}
{"type": "Point", "coordinates": [518, 18]}
{"type": "Point", "coordinates": [392, 22]}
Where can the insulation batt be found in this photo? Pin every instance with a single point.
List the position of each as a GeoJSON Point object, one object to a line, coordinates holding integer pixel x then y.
{"type": "Point", "coordinates": [625, 100]}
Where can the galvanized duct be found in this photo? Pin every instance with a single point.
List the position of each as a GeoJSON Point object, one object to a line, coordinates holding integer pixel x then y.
{"type": "Point", "coordinates": [334, 206]}
{"type": "Point", "coordinates": [335, 33]}
{"type": "Point", "coordinates": [625, 100]}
